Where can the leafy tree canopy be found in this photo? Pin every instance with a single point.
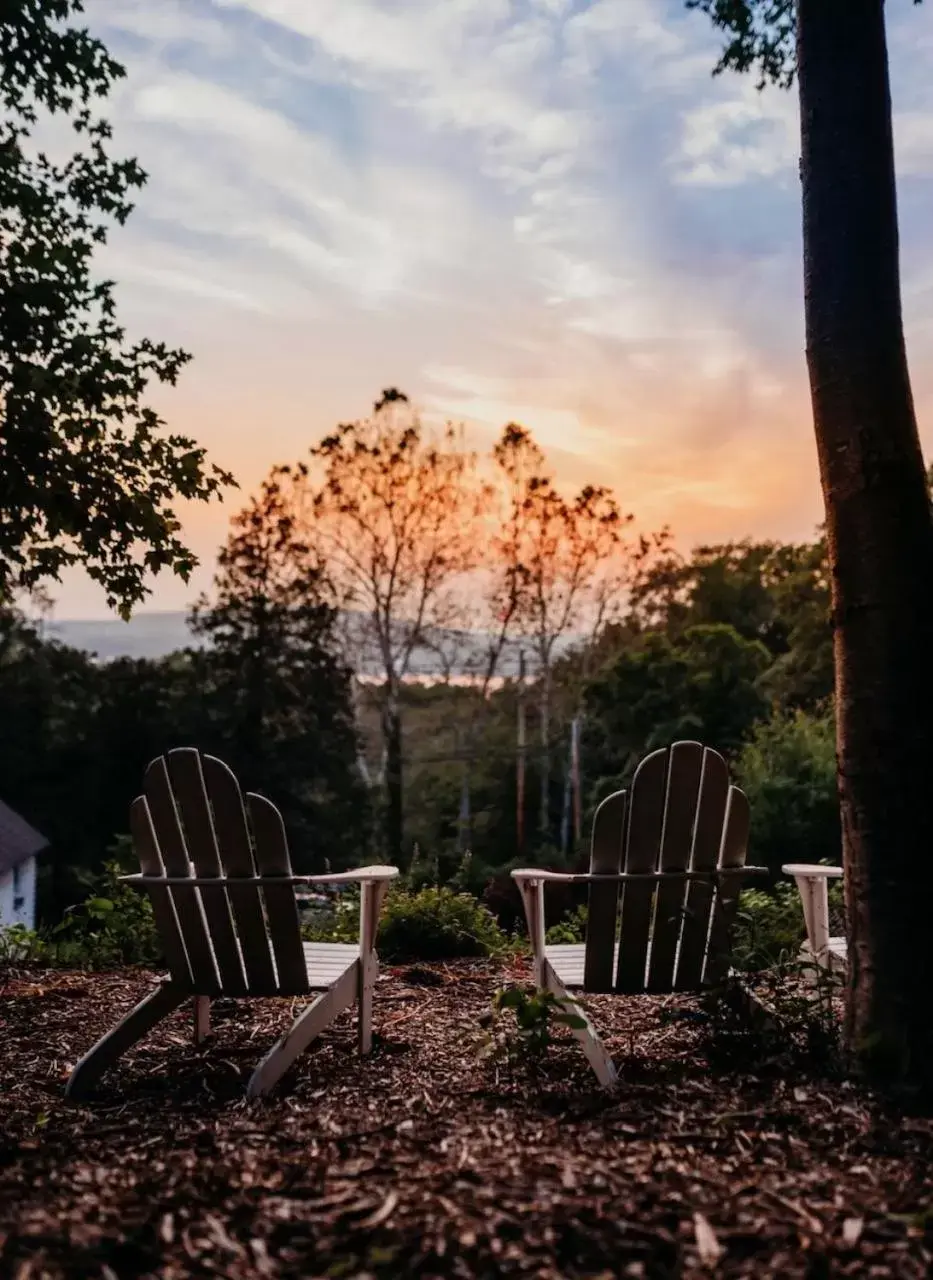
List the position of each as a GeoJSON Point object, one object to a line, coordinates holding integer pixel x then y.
{"type": "Point", "coordinates": [759, 35]}
{"type": "Point", "coordinates": [86, 474]}
{"type": "Point", "coordinates": [703, 684]}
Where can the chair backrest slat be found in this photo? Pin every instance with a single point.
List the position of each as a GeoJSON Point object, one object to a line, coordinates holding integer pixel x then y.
{"type": "Point", "coordinates": [194, 811]}
{"type": "Point", "coordinates": [233, 842]}
{"type": "Point", "coordinates": [734, 846]}
{"type": "Point", "coordinates": [187, 900]}
{"type": "Point", "coordinates": [680, 815]}
{"type": "Point", "coordinates": [680, 812]}
{"type": "Point", "coordinates": [281, 908]}
{"type": "Point", "coordinates": [707, 841]}
{"type": "Point", "coordinates": [163, 909]}
{"type": "Point", "coordinates": [603, 909]}
{"type": "Point", "coordinates": [645, 824]}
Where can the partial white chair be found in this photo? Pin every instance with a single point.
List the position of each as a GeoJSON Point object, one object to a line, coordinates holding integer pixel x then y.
{"type": "Point", "coordinates": [219, 877]}
{"type": "Point", "coordinates": [812, 881]}
{"type": "Point", "coordinates": [676, 846]}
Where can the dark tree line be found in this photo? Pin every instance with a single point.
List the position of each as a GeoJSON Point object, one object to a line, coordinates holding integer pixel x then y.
{"type": "Point", "coordinates": [269, 694]}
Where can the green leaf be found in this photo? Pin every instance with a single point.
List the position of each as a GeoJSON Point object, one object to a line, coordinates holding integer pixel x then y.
{"type": "Point", "coordinates": [572, 1020]}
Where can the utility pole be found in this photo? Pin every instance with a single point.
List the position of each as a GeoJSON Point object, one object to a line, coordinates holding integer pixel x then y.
{"type": "Point", "coordinates": [520, 761]}
{"type": "Point", "coordinates": [575, 776]}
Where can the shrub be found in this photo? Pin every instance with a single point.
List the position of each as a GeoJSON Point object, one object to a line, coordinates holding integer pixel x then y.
{"type": "Point", "coordinates": [569, 930]}
{"type": "Point", "coordinates": [437, 924]}
{"type": "Point", "coordinates": [769, 928]}
{"type": "Point", "coordinates": [788, 772]}
{"type": "Point", "coordinates": [427, 924]}
{"type": "Point", "coordinates": [22, 946]}
{"type": "Point", "coordinates": [795, 1018]}
{"type": "Point", "coordinates": [337, 922]}
{"type": "Point", "coordinates": [112, 929]}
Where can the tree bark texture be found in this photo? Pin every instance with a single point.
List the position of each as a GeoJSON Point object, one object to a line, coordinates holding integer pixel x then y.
{"type": "Point", "coordinates": [879, 528]}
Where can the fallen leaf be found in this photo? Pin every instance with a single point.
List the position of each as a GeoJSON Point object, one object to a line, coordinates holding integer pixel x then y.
{"type": "Point", "coordinates": [382, 1214]}
{"type": "Point", "coordinates": [852, 1231]}
{"type": "Point", "coordinates": [708, 1246]}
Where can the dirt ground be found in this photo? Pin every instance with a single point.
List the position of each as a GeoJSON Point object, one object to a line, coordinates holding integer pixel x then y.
{"type": "Point", "coordinates": [426, 1160]}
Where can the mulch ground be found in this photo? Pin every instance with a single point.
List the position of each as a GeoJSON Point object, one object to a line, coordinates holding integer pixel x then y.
{"type": "Point", "coordinates": [424, 1160]}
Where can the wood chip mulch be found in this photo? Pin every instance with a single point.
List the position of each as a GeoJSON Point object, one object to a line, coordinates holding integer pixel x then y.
{"type": "Point", "coordinates": [425, 1160]}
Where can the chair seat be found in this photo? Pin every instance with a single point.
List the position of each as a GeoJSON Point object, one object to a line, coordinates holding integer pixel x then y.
{"type": "Point", "coordinates": [568, 961]}
{"type": "Point", "coordinates": [327, 961]}
{"type": "Point", "coordinates": [837, 951]}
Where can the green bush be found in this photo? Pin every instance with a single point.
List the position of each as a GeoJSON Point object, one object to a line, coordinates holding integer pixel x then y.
{"type": "Point", "coordinates": [113, 928]}
{"type": "Point", "coordinates": [788, 772]}
{"type": "Point", "coordinates": [769, 928]}
{"type": "Point", "coordinates": [437, 924]}
{"type": "Point", "coordinates": [425, 924]}
{"type": "Point", "coordinates": [338, 922]}
{"type": "Point", "coordinates": [569, 930]}
{"type": "Point", "coordinates": [22, 946]}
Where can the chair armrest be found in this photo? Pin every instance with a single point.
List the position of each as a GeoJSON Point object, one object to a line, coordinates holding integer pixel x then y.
{"type": "Point", "coordinates": [531, 876]}
{"type": "Point", "coordinates": [362, 875]}
{"type": "Point", "coordinates": [811, 870]}
{"type": "Point", "coordinates": [531, 873]}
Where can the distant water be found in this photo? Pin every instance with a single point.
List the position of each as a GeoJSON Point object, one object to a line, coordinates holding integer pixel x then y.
{"type": "Point", "coordinates": [146, 635]}
{"type": "Point", "coordinates": [155, 635]}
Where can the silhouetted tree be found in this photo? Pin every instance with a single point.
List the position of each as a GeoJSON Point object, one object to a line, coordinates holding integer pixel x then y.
{"type": "Point", "coordinates": [86, 475]}
{"type": "Point", "coordinates": [391, 512]}
{"type": "Point", "coordinates": [879, 526]}
{"type": "Point", "coordinates": [566, 561]}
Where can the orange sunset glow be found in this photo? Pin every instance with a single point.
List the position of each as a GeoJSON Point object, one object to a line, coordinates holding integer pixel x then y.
{"type": "Point", "coordinates": [544, 212]}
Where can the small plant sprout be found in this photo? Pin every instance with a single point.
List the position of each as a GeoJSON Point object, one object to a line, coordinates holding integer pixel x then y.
{"type": "Point", "coordinates": [519, 1026]}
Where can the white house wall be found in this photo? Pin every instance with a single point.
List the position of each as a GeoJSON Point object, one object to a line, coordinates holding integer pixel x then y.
{"type": "Point", "coordinates": [14, 885]}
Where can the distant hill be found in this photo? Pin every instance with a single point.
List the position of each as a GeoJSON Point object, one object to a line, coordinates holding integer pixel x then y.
{"type": "Point", "coordinates": [146, 635]}
{"type": "Point", "coordinates": [155, 635]}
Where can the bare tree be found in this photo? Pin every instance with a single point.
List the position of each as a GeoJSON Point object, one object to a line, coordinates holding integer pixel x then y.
{"type": "Point", "coordinates": [567, 560]}
{"type": "Point", "coordinates": [392, 510]}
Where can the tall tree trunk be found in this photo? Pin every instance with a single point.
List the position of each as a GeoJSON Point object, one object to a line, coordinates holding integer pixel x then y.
{"type": "Point", "coordinates": [520, 758]}
{"type": "Point", "coordinates": [392, 738]}
{"type": "Point", "coordinates": [879, 527]}
{"type": "Point", "coordinates": [544, 815]}
{"type": "Point", "coordinates": [575, 776]}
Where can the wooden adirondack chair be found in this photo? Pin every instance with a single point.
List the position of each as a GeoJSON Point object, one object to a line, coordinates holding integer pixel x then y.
{"type": "Point", "coordinates": [676, 847]}
{"type": "Point", "coordinates": [821, 947]}
{"type": "Point", "coordinates": [223, 897]}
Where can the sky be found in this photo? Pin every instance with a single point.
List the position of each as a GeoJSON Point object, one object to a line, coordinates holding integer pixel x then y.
{"type": "Point", "coordinates": [543, 211]}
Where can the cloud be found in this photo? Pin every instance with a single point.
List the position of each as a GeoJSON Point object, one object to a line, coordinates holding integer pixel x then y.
{"type": "Point", "coordinates": [545, 210]}
{"type": "Point", "coordinates": [747, 136]}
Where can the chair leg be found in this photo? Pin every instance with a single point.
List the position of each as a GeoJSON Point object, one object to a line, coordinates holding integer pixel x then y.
{"type": "Point", "coordinates": [532, 892]}
{"type": "Point", "coordinates": [311, 1023]}
{"type": "Point", "coordinates": [202, 1018]}
{"type": "Point", "coordinates": [371, 900]}
{"type": "Point", "coordinates": [368, 971]}
{"type": "Point", "coordinates": [593, 1047]}
{"type": "Point", "coordinates": [156, 1006]}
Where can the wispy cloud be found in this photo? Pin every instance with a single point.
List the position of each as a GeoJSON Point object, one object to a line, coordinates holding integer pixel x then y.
{"type": "Point", "coordinates": [545, 210]}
